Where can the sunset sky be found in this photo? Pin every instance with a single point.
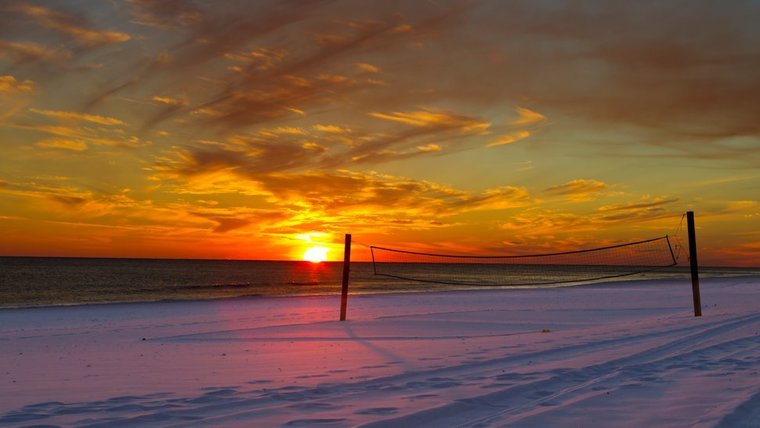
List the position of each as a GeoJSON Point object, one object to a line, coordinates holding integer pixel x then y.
{"type": "Point", "coordinates": [259, 129]}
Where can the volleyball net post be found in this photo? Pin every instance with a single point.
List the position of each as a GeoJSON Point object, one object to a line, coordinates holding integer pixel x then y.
{"type": "Point", "coordinates": [693, 263]}
{"type": "Point", "coordinates": [346, 271]}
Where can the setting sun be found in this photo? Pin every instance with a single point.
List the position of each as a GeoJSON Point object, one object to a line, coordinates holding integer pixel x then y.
{"type": "Point", "coordinates": [315, 254]}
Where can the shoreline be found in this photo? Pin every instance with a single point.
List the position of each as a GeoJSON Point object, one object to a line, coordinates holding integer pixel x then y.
{"type": "Point", "coordinates": [376, 292]}
{"type": "Point", "coordinates": [160, 259]}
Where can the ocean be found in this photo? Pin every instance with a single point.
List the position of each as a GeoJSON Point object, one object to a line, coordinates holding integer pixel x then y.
{"type": "Point", "coordinates": [43, 281]}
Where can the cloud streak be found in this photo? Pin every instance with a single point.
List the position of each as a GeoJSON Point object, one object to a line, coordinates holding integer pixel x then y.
{"type": "Point", "coordinates": [71, 26]}
{"type": "Point", "coordinates": [78, 117]}
{"type": "Point", "coordinates": [578, 189]}
{"type": "Point", "coordinates": [437, 118]}
{"type": "Point", "coordinates": [27, 52]}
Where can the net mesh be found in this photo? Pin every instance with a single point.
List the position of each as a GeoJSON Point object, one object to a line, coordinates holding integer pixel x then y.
{"type": "Point", "coordinates": [525, 270]}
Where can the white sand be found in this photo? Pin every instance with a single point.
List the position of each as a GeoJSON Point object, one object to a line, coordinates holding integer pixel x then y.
{"type": "Point", "coordinates": [628, 354]}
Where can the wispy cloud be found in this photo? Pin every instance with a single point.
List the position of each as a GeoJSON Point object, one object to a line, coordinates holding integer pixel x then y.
{"type": "Point", "coordinates": [62, 143]}
{"type": "Point", "coordinates": [270, 82]}
{"type": "Point", "coordinates": [500, 198]}
{"type": "Point", "coordinates": [175, 102]}
{"type": "Point", "coordinates": [579, 189]}
{"type": "Point", "coordinates": [78, 117]}
{"type": "Point", "coordinates": [67, 197]}
{"type": "Point", "coordinates": [646, 203]}
{"type": "Point", "coordinates": [229, 219]}
{"type": "Point", "coordinates": [388, 155]}
{"type": "Point", "coordinates": [397, 197]}
{"type": "Point", "coordinates": [367, 68]}
{"type": "Point", "coordinates": [509, 138]}
{"type": "Point", "coordinates": [334, 197]}
{"type": "Point", "coordinates": [25, 52]}
{"type": "Point", "coordinates": [648, 208]}
{"type": "Point", "coordinates": [435, 117]}
{"type": "Point", "coordinates": [323, 146]}
{"type": "Point", "coordinates": [543, 222]}
{"type": "Point", "coordinates": [77, 136]}
{"type": "Point", "coordinates": [332, 129]}
{"type": "Point", "coordinates": [72, 26]}
{"type": "Point", "coordinates": [166, 14]}
{"type": "Point", "coordinates": [527, 117]}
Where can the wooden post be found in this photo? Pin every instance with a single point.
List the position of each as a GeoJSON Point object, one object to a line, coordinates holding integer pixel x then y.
{"type": "Point", "coordinates": [694, 265]}
{"type": "Point", "coordinates": [346, 266]}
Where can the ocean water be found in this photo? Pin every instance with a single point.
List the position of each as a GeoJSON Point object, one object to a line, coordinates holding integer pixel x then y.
{"type": "Point", "coordinates": [34, 281]}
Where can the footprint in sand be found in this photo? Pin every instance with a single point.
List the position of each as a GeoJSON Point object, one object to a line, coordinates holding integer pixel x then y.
{"type": "Point", "coordinates": [378, 411]}
{"type": "Point", "coordinates": [315, 407]}
{"type": "Point", "coordinates": [310, 376]}
{"type": "Point", "coordinates": [541, 394]}
{"type": "Point", "coordinates": [312, 422]}
{"type": "Point", "coordinates": [443, 382]}
{"type": "Point", "coordinates": [497, 385]}
{"type": "Point", "coordinates": [421, 397]}
{"type": "Point", "coordinates": [259, 382]}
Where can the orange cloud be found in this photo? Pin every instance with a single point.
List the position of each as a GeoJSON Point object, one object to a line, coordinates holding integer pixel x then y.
{"type": "Point", "coordinates": [435, 117]}
{"type": "Point", "coordinates": [367, 68]}
{"type": "Point", "coordinates": [165, 14]}
{"type": "Point", "coordinates": [393, 155]}
{"type": "Point", "coordinates": [286, 148]}
{"type": "Point", "coordinates": [646, 203]}
{"type": "Point", "coordinates": [75, 137]}
{"type": "Point", "coordinates": [501, 198]}
{"type": "Point", "coordinates": [648, 209]}
{"type": "Point", "coordinates": [331, 129]}
{"type": "Point", "coordinates": [280, 130]}
{"type": "Point", "coordinates": [9, 84]}
{"type": "Point", "coordinates": [741, 206]}
{"type": "Point", "coordinates": [24, 52]}
{"type": "Point", "coordinates": [509, 138]}
{"type": "Point", "coordinates": [429, 148]}
{"type": "Point", "coordinates": [72, 26]}
{"type": "Point", "coordinates": [260, 59]}
{"type": "Point", "coordinates": [228, 219]}
{"type": "Point", "coordinates": [338, 197]}
{"type": "Point", "coordinates": [541, 222]}
{"type": "Point", "coordinates": [336, 79]}
{"type": "Point", "coordinates": [527, 117]}
{"type": "Point", "coordinates": [579, 189]}
{"type": "Point", "coordinates": [310, 145]}
{"type": "Point", "coordinates": [15, 95]}
{"type": "Point", "coordinates": [74, 116]}
{"type": "Point", "coordinates": [61, 143]}
{"type": "Point", "coordinates": [70, 198]}
{"type": "Point", "coordinates": [178, 102]}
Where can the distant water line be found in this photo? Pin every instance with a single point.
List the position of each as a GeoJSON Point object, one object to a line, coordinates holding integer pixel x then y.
{"type": "Point", "coordinates": [40, 281]}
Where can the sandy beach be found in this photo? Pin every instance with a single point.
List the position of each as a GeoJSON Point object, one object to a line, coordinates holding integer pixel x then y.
{"type": "Point", "coordinates": [625, 354]}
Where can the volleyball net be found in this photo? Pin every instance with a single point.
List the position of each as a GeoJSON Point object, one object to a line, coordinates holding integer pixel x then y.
{"type": "Point", "coordinates": [580, 266]}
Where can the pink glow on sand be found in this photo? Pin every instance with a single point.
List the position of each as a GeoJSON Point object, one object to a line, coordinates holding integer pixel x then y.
{"type": "Point", "coordinates": [627, 352]}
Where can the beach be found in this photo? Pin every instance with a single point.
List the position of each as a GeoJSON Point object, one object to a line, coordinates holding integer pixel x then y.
{"type": "Point", "coordinates": [614, 354]}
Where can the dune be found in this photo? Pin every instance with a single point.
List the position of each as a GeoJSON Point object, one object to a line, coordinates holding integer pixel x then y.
{"type": "Point", "coordinates": [616, 354]}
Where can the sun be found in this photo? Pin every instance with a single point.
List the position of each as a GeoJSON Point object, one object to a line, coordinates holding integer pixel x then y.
{"type": "Point", "coordinates": [315, 254]}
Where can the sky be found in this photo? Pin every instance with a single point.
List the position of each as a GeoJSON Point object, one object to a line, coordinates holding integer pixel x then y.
{"type": "Point", "coordinates": [260, 129]}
